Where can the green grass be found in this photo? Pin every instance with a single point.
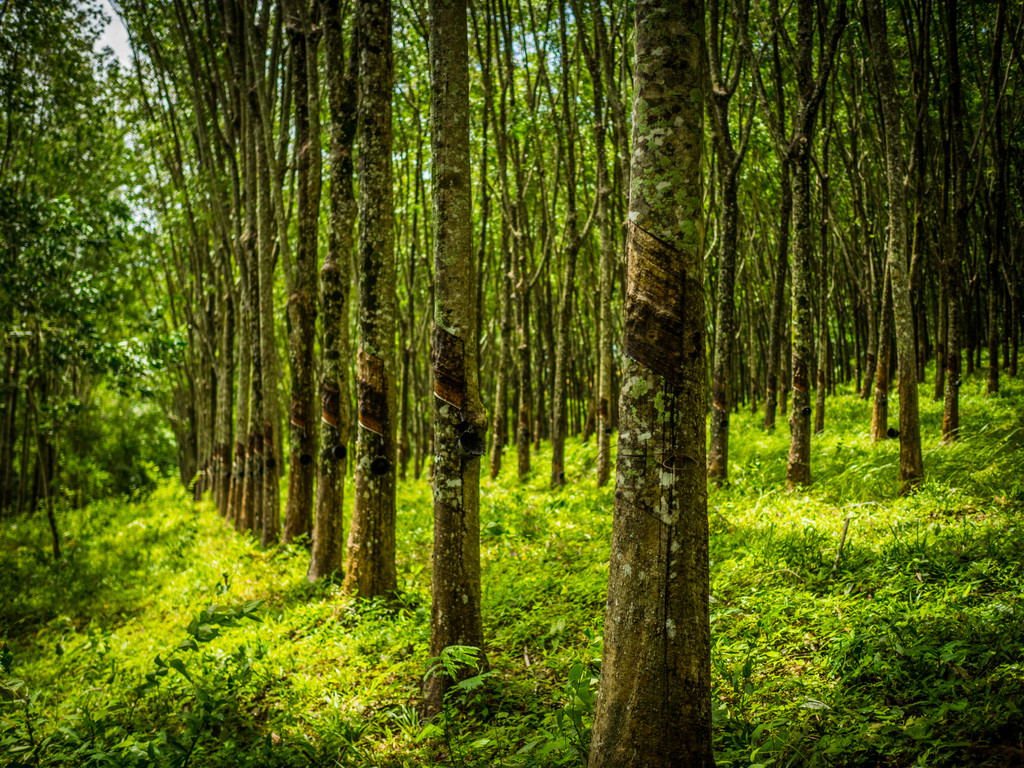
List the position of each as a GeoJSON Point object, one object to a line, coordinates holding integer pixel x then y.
{"type": "Point", "coordinates": [165, 639]}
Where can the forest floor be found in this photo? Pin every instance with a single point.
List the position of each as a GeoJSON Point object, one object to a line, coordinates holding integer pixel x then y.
{"type": "Point", "coordinates": [165, 639]}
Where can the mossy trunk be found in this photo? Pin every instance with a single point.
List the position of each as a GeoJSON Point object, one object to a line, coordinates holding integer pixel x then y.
{"type": "Point", "coordinates": [654, 703]}
{"type": "Point", "coordinates": [880, 404]}
{"type": "Point", "coordinates": [371, 543]}
{"type": "Point", "coordinates": [302, 303]}
{"type": "Point", "coordinates": [776, 332]}
{"type": "Point", "coordinates": [798, 464]}
{"type": "Point", "coordinates": [328, 522]}
{"type": "Point", "coordinates": [459, 419]}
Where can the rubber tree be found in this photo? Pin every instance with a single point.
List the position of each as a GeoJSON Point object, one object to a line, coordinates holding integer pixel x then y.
{"type": "Point", "coordinates": [911, 462]}
{"type": "Point", "coordinates": [328, 528]}
{"type": "Point", "coordinates": [459, 418]}
{"type": "Point", "coordinates": [371, 543]}
{"type": "Point", "coordinates": [654, 703]}
{"type": "Point", "coordinates": [302, 298]}
{"type": "Point", "coordinates": [720, 91]}
{"type": "Point", "coordinates": [810, 91]}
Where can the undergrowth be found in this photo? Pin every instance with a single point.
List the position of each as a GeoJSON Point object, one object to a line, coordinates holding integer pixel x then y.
{"type": "Point", "coordinates": [164, 639]}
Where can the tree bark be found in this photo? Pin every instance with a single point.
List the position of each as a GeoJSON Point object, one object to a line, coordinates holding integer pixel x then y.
{"type": "Point", "coordinates": [911, 461]}
{"type": "Point", "coordinates": [654, 703]}
{"type": "Point", "coordinates": [371, 543]}
{"type": "Point", "coordinates": [459, 419]}
{"type": "Point", "coordinates": [328, 524]}
{"type": "Point", "coordinates": [776, 331]}
{"type": "Point", "coordinates": [302, 302]}
{"type": "Point", "coordinates": [880, 403]}
{"type": "Point", "coordinates": [956, 255]}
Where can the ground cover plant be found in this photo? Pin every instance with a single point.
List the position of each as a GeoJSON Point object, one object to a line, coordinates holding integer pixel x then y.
{"type": "Point", "coordinates": [850, 626]}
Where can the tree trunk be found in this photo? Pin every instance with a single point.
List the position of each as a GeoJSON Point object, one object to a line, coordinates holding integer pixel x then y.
{"type": "Point", "coordinates": [225, 401]}
{"type": "Point", "coordinates": [302, 302]}
{"type": "Point", "coordinates": [241, 417]}
{"type": "Point", "coordinates": [654, 703]}
{"type": "Point", "coordinates": [798, 465]}
{"type": "Point", "coordinates": [999, 195]}
{"type": "Point", "coordinates": [559, 390]}
{"type": "Point", "coordinates": [459, 419]}
{"type": "Point", "coordinates": [606, 249]}
{"type": "Point", "coordinates": [328, 524]}
{"type": "Point", "coordinates": [12, 379]}
{"type": "Point", "coordinates": [252, 491]}
{"type": "Point", "coordinates": [956, 255]}
{"type": "Point", "coordinates": [502, 377]}
{"type": "Point", "coordinates": [776, 331]}
{"type": "Point", "coordinates": [269, 514]}
{"type": "Point", "coordinates": [911, 462]}
{"type": "Point", "coordinates": [371, 543]}
{"type": "Point", "coordinates": [880, 404]}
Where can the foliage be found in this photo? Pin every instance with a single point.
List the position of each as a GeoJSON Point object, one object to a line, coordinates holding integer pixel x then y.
{"type": "Point", "coordinates": [903, 649]}
{"type": "Point", "coordinates": [72, 322]}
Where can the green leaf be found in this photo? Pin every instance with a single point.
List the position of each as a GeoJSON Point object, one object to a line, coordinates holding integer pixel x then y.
{"type": "Point", "coordinates": [179, 665]}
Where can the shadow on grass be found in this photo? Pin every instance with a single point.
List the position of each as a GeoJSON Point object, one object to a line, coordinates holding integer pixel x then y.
{"type": "Point", "coordinates": [108, 566]}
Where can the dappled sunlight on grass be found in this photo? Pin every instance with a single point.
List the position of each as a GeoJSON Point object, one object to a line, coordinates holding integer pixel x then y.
{"type": "Point", "coordinates": [165, 634]}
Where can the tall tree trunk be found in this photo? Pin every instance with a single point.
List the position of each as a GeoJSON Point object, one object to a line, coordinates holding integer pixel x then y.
{"type": "Point", "coordinates": [459, 418]}
{"type": "Point", "coordinates": [654, 703]}
{"type": "Point", "coordinates": [502, 378]}
{"type": "Point", "coordinates": [999, 195]}
{"type": "Point", "coordinates": [12, 382]}
{"type": "Point", "coordinates": [252, 492]}
{"type": "Point", "coordinates": [911, 462]}
{"type": "Point", "coordinates": [955, 256]}
{"type": "Point", "coordinates": [826, 285]}
{"type": "Point", "coordinates": [725, 331]}
{"type": "Point", "coordinates": [810, 92]}
{"type": "Point", "coordinates": [941, 329]}
{"type": "Point", "coordinates": [798, 466]}
{"type": "Point", "coordinates": [776, 331]}
{"type": "Point", "coordinates": [225, 399]}
{"type": "Point", "coordinates": [720, 93]}
{"type": "Point", "coordinates": [235, 512]}
{"type": "Point", "coordinates": [566, 298]}
{"type": "Point", "coordinates": [880, 404]}
{"type": "Point", "coordinates": [371, 543]}
{"type": "Point", "coordinates": [302, 302]}
{"type": "Point", "coordinates": [603, 426]}
{"type": "Point", "coordinates": [270, 511]}
{"type": "Point", "coordinates": [328, 529]}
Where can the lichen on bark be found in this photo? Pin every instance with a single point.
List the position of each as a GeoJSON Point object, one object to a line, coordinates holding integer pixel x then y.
{"type": "Point", "coordinates": [654, 703]}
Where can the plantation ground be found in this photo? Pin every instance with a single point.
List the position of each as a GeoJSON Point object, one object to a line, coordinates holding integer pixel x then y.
{"type": "Point", "coordinates": [164, 639]}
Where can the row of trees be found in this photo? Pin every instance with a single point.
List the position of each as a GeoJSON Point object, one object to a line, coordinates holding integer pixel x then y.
{"type": "Point", "coordinates": [71, 333]}
{"type": "Point", "coordinates": [821, 138]}
{"type": "Point", "coordinates": [812, 142]}
{"type": "Point", "coordinates": [854, 212]}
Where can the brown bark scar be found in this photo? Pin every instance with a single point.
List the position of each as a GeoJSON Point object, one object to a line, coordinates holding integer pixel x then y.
{"type": "Point", "coordinates": [449, 358]}
{"type": "Point", "coordinates": [654, 328]}
{"type": "Point", "coordinates": [372, 392]}
{"type": "Point", "coordinates": [330, 404]}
